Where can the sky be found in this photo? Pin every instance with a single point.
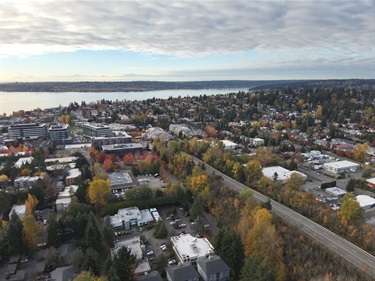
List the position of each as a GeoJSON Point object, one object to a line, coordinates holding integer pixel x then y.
{"type": "Point", "coordinates": [189, 40]}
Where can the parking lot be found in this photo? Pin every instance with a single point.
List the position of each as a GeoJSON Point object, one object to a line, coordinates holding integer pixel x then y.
{"type": "Point", "coordinates": [155, 247]}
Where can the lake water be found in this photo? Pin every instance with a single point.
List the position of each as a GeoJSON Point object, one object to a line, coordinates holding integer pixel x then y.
{"type": "Point", "coordinates": [14, 101]}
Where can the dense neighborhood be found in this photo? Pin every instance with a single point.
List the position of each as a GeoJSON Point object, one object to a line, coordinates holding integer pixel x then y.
{"type": "Point", "coordinates": [134, 190]}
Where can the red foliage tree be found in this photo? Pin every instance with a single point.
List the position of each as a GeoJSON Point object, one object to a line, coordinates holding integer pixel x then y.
{"type": "Point", "coordinates": [108, 165]}
{"type": "Point", "coordinates": [129, 159]}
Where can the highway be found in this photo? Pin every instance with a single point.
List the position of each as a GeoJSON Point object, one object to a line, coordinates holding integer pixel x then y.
{"type": "Point", "coordinates": [335, 243]}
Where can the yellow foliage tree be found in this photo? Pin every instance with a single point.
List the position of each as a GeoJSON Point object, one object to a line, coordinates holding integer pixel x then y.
{"type": "Point", "coordinates": [30, 231]}
{"type": "Point", "coordinates": [98, 191]}
{"type": "Point", "coordinates": [88, 276]}
{"type": "Point", "coordinates": [360, 152]}
{"type": "Point", "coordinates": [253, 170]}
{"type": "Point", "coordinates": [319, 112]}
{"type": "Point", "coordinates": [198, 183]}
{"type": "Point", "coordinates": [30, 204]}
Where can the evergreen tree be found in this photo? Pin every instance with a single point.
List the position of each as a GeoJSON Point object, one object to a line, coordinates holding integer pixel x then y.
{"type": "Point", "coordinates": [52, 230]}
{"type": "Point", "coordinates": [92, 238]}
{"type": "Point", "coordinates": [230, 248]}
{"type": "Point", "coordinates": [257, 270]}
{"type": "Point", "coordinates": [15, 235]}
{"type": "Point", "coordinates": [123, 264]}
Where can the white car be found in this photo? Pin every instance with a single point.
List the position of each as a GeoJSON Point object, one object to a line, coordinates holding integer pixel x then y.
{"type": "Point", "coordinates": [150, 252]}
{"type": "Point", "coordinates": [163, 247]}
{"type": "Point", "coordinates": [172, 261]}
{"type": "Point", "coordinates": [182, 225]}
{"type": "Point", "coordinates": [172, 222]}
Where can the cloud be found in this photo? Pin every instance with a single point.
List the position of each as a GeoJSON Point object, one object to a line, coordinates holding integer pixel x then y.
{"type": "Point", "coordinates": [186, 28]}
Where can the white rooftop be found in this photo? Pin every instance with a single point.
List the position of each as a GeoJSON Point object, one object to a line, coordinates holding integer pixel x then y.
{"type": "Point", "coordinates": [68, 191]}
{"type": "Point", "coordinates": [61, 160]}
{"type": "Point", "coordinates": [133, 244]}
{"type": "Point", "coordinates": [336, 191]}
{"type": "Point", "coordinates": [74, 173]}
{"type": "Point", "coordinates": [371, 181]}
{"type": "Point", "coordinates": [345, 164]}
{"type": "Point", "coordinates": [76, 146]}
{"type": "Point", "coordinates": [19, 209]}
{"type": "Point", "coordinates": [189, 247]}
{"type": "Point", "coordinates": [365, 200]}
{"type": "Point", "coordinates": [63, 201]}
{"type": "Point", "coordinates": [24, 160]}
{"type": "Point", "coordinates": [282, 173]}
{"type": "Point", "coordinates": [228, 143]}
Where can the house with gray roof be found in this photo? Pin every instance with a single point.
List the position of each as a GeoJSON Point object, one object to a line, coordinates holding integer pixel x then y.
{"type": "Point", "coordinates": [64, 273]}
{"type": "Point", "coordinates": [213, 268]}
{"type": "Point", "coordinates": [182, 272]}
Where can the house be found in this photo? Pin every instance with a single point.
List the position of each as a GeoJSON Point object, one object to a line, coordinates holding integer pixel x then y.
{"type": "Point", "coordinates": [23, 161]}
{"type": "Point", "coordinates": [73, 177]}
{"type": "Point", "coordinates": [20, 210]}
{"type": "Point", "coordinates": [256, 142]}
{"type": "Point", "coordinates": [64, 273]}
{"type": "Point", "coordinates": [182, 272]}
{"type": "Point", "coordinates": [133, 244]}
{"type": "Point", "coordinates": [62, 204]}
{"type": "Point", "coordinates": [68, 191]}
{"type": "Point", "coordinates": [228, 145]}
{"type": "Point", "coordinates": [213, 268]}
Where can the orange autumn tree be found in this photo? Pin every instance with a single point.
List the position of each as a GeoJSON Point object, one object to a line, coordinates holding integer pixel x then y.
{"type": "Point", "coordinates": [129, 159]}
{"type": "Point", "coordinates": [30, 204]}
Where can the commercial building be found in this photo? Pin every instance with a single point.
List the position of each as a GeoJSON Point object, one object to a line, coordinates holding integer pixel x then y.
{"type": "Point", "coordinates": [123, 149]}
{"type": "Point", "coordinates": [60, 133]}
{"type": "Point", "coordinates": [366, 201]}
{"type": "Point", "coordinates": [96, 130]}
{"type": "Point", "coordinates": [27, 130]}
{"type": "Point", "coordinates": [100, 141]}
{"type": "Point", "coordinates": [189, 248]}
{"type": "Point", "coordinates": [128, 217]}
{"type": "Point", "coordinates": [336, 191]}
{"type": "Point", "coordinates": [121, 181]}
{"type": "Point", "coordinates": [340, 167]}
{"type": "Point", "coordinates": [213, 268]}
{"type": "Point", "coordinates": [280, 173]}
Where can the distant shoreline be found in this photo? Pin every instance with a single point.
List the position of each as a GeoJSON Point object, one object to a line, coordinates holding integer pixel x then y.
{"type": "Point", "coordinates": [144, 86]}
{"type": "Point", "coordinates": [136, 86]}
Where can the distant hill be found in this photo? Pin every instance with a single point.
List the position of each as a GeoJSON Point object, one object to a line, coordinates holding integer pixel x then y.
{"type": "Point", "coordinates": [130, 86]}
{"type": "Point", "coordinates": [344, 83]}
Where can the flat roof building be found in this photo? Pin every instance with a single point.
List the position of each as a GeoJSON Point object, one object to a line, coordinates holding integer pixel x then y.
{"type": "Point", "coordinates": [280, 173]}
{"type": "Point", "coordinates": [336, 191]}
{"type": "Point", "coordinates": [189, 248]}
{"type": "Point", "coordinates": [365, 201]}
{"type": "Point", "coordinates": [123, 149]}
{"type": "Point", "coordinates": [128, 217]}
{"type": "Point", "coordinates": [60, 133]}
{"type": "Point", "coordinates": [340, 166]}
{"type": "Point", "coordinates": [27, 130]}
{"type": "Point", "coordinates": [229, 145]}
{"type": "Point", "coordinates": [121, 181]}
{"type": "Point", "coordinates": [96, 130]}
{"type": "Point", "coordinates": [100, 141]}
{"type": "Point", "coordinates": [133, 244]}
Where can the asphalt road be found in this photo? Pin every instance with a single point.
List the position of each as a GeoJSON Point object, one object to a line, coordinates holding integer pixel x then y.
{"type": "Point", "coordinates": [335, 243]}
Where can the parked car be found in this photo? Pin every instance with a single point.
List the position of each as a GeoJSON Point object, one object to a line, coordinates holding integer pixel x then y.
{"type": "Point", "coordinates": [182, 225]}
{"type": "Point", "coordinates": [172, 223]}
{"type": "Point", "coordinates": [172, 261]}
{"type": "Point", "coordinates": [150, 252]}
{"type": "Point", "coordinates": [206, 225]}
